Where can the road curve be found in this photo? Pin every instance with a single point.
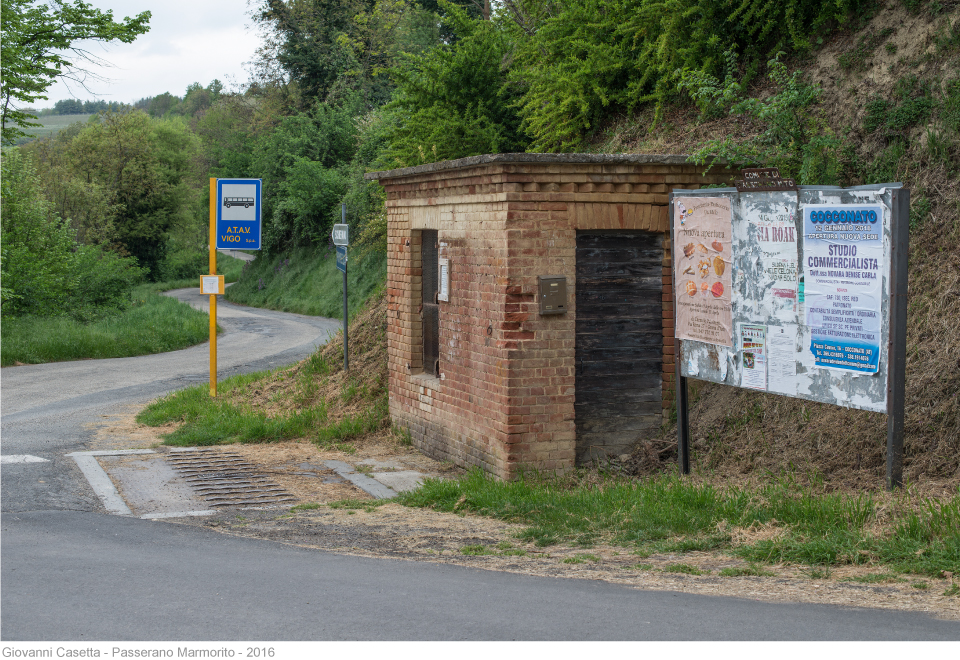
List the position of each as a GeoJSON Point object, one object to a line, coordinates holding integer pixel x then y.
{"type": "Point", "coordinates": [50, 409]}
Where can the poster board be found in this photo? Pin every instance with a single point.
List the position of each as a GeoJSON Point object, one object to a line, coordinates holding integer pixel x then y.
{"type": "Point", "coordinates": [817, 295]}
{"type": "Point", "coordinates": [809, 290]}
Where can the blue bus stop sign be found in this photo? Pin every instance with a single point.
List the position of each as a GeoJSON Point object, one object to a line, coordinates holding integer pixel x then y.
{"type": "Point", "coordinates": [239, 205]}
{"type": "Point", "coordinates": [342, 258]}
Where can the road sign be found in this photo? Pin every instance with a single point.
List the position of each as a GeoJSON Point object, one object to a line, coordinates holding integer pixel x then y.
{"type": "Point", "coordinates": [239, 204]}
{"type": "Point", "coordinates": [342, 258]}
{"type": "Point", "coordinates": [341, 234]}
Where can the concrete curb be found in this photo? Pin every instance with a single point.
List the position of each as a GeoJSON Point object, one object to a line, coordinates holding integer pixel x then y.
{"type": "Point", "coordinates": [363, 482]}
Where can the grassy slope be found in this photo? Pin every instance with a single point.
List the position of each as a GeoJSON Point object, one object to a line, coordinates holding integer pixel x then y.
{"type": "Point", "coordinates": [740, 434]}
{"type": "Point", "coordinates": [153, 324]}
{"type": "Point", "coordinates": [53, 124]}
{"type": "Point", "coordinates": [314, 400]}
{"type": "Point", "coordinates": [306, 281]}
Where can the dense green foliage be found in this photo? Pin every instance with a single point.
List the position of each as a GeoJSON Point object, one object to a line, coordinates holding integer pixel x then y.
{"type": "Point", "coordinates": [40, 44]}
{"type": "Point", "coordinates": [795, 139]}
{"type": "Point", "coordinates": [45, 272]}
{"type": "Point", "coordinates": [125, 180]}
{"type": "Point", "coordinates": [581, 59]}
{"type": "Point", "coordinates": [453, 101]}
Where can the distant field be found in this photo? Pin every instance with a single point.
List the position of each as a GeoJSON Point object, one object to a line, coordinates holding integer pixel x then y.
{"type": "Point", "coordinates": [52, 125]}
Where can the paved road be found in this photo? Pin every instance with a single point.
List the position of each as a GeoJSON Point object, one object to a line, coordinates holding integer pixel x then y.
{"type": "Point", "coordinates": [84, 576]}
{"type": "Point", "coordinates": [49, 409]}
{"type": "Point", "coordinates": [71, 572]}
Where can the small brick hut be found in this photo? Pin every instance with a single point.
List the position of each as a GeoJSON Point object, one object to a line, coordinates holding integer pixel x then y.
{"type": "Point", "coordinates": [491, 362]}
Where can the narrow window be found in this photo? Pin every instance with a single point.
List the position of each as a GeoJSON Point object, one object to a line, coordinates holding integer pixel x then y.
{"type": "Point", "coordinates": [430, 314]}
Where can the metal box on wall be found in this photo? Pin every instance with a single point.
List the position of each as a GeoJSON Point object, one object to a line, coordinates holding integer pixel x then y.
{"type": "Point", "coordinates": [552, 294]}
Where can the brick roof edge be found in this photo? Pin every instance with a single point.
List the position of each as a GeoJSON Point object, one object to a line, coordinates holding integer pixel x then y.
{"type": "Point", "coordinates": [473, 161]}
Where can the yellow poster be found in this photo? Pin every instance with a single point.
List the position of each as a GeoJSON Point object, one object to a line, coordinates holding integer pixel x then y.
{"type": "Point", "coordinates": [702, 240]}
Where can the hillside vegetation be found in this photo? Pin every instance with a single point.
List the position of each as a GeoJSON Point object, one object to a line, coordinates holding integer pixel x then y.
{"type": "Point", "coordinates": [888, 103]}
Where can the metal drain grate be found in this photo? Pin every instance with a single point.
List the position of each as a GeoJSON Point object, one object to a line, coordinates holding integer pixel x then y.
{"type": "Point", "coordinates": [225, 479]}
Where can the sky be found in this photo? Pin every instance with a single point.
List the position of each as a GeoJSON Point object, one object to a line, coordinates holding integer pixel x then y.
{"type": "Point", "coordinates": [189, 41]}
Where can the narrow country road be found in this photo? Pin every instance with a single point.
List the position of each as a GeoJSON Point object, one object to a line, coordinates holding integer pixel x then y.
{"type": "Point", "coordinates": [71, 572]}
{"type": "Point", "coordinates": [49, 409]}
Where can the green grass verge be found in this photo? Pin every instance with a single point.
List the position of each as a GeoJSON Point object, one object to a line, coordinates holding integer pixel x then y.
{"type": "Point", "coordinates": [670, 514]}
{"type": "Point", "coordinates": [207, 421]}
{"type": "Point", "coordinates": [307, 281]}
{"type": "Point", "coordinates": [155, 324]}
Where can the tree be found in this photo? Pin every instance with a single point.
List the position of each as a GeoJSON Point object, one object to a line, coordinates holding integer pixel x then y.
{"type": "Point", "coordinates": [39, 45]}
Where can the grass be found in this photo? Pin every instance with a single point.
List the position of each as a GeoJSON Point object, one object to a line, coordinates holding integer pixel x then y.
{"type": "Point", "coordinates": [875, 578]}
{"type": "Point", "coordinates": [685, 569]}
{"type": "Point", "coordinates": [749, 570]}
{"type": "Point", "coordinates": [357, 505]}
{"type": "Point", "coordinates": [667, 514]}
{"type": "Point", "coordinates": [314, 400]}
{"type": "Point", "coordinates": [307, 281]}
{"type": "Point", "coordinates": [217, 421]}
{"type": "Point", "coordinates": [154, 324]}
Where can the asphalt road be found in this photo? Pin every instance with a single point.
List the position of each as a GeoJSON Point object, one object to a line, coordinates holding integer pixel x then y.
{"type": "Point", "coordinates": [48, 409]}
{"type": "Point", "coordinates": [70, 572]}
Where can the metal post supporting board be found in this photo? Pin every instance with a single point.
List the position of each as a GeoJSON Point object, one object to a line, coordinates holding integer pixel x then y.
{"type": "Point", "coordinates": [680, 386]}
{"type": "Point", "coordinates": [346, 352]}
{"type": "Point", "coordinates": [213, 298]}
{"type": "Point", "coordinates": [897, 353]}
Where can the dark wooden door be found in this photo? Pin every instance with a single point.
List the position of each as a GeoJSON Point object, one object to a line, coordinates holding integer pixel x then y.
{"type": "Point", "coordinates": [619, 342]}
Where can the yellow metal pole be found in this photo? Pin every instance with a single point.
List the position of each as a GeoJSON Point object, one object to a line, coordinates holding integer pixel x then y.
{"type": "Point", "coordinates": [213, 298]}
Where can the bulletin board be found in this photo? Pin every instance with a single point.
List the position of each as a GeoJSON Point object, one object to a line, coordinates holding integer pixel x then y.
{"type": "Point", "coordinates": [795, 291]}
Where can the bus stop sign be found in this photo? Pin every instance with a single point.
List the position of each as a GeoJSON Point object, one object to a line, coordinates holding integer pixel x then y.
{"type": "Point", "coordinates": [239, 204]}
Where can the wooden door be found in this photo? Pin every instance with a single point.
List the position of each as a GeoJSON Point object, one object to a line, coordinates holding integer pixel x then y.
{"type": "Point", "coordinates": [619, 340]}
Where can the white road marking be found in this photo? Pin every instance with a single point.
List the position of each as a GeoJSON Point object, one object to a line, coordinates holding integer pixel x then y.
{"type": "Point", "coordinates": [22, 458]}
{"type": "Point", "coordinates": [100, 482]}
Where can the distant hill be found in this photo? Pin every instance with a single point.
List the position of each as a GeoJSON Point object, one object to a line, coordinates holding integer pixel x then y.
{"type": "Point", "coordinates": [53, 124]}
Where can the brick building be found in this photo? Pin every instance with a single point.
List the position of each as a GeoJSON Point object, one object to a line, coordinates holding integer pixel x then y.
{"type": "Point", "coordinates": [491, 362]}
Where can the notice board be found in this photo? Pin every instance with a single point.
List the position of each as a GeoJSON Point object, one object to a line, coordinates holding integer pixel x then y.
{"type": "Point", "coordinates": [788, 291]}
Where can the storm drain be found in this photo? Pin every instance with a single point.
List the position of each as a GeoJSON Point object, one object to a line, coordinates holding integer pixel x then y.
{"type": "Point", "coordinates": [226, 479]}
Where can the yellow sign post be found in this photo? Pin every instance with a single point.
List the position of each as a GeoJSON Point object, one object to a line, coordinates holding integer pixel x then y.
{"type": "Point", "coordinates": [213, 296]}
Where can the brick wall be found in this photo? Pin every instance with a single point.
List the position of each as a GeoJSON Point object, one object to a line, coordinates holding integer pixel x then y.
{"type": "Point", "coordinates": [504, 398]}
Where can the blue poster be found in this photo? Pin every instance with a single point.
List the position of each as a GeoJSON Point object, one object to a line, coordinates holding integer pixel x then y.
{"type": "Point", "coordinates": [238, 214]}
{"type": "Point", "coordinates": [843, 269]}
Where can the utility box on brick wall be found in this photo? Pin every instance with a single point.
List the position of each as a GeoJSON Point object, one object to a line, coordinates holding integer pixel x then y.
{"type": "Point", "coordinates": [478, 373]}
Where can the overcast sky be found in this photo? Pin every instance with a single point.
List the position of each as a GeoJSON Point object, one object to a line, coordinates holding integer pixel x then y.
{"type": "Point", "coordinates": [189, 41]}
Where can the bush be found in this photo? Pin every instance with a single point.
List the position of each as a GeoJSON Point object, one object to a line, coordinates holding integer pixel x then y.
{"type": "Point", "coordinates": [794, 138]}
{"type": "Point", "coordinates": [578, 59]}
{"type": "Point", "coordinates": [45, 272]}
{"type": "Point", "coordinates": [453, 101]}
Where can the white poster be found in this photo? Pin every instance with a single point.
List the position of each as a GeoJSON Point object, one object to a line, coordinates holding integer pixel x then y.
{"type": "Point", "coordinates": [782, 359]}
{"type": "Point", "coordinates": [773, 222]}
{"type": "Point", "coordinates": [753, 356]}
